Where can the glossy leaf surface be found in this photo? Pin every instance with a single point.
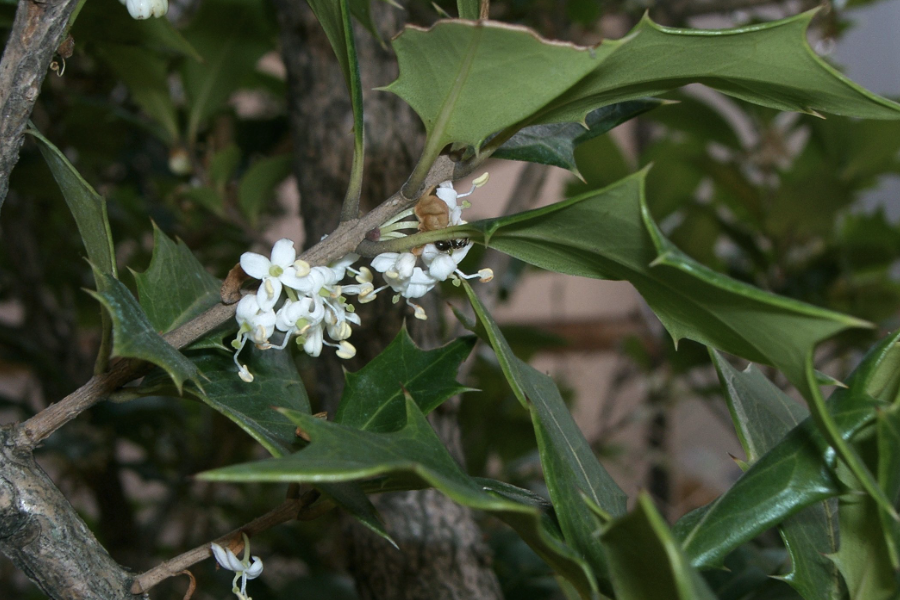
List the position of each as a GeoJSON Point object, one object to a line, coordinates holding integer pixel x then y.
{"type": "Point", "coordinates": [175, 288]}
{"type": "Point", "coordinates": [338, 453]}
{"type": "Point", "coordinates": [374, 398]}
{"type": "Point", "coordinates": [762, 415]}
{"type": "Point", "coordinates": [794, 474]}
{"type": "Point", "coordinates": [555, 144]}
{"type": "Point", "coordinates": [646, 562]}
{"type": "Point", "coordinates": [570, 468]}
{"type": "Point", "coordinates": [610, 234]}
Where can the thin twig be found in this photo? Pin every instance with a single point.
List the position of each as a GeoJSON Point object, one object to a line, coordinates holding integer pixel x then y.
{"type": "Point", "coordinates": [233, 540]}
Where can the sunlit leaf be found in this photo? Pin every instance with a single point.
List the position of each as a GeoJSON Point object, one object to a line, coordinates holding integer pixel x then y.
{"type": "Point", "coordinates": [373, 398]}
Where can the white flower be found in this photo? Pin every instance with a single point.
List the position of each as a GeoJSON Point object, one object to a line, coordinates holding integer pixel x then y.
{"type": "Point", "coordinates": [256, 323]}
{"type": "Point", "coordinates": [272, 272]}
{"type": "Point", "coordinates": [144, 9]}
{"type": "Point", "coordinates": [244, 569]}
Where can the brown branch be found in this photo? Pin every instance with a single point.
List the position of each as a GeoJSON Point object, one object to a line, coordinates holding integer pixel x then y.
{"type": "Point", "coordinates": [287, 511]}
{"type": "Point", "coordinates": [37, 31]}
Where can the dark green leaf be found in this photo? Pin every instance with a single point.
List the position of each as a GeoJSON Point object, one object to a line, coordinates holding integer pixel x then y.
{"type": "Point", "coordinates": [555, 144]}
{"type": "Point", "coordinates": [135, 337]}
{"type": "Point", "coordinates": [610, 235]}
{"type": "Point", "coordinates": [794, 474]}
{"type": "Point", "coordinates": [254, 406]}
{"type": "Point", "coordinates": [570, 467]}
{"type": "Point", "coordinates": [763, 415]}
{"type": "Point", "coordinates": [888, 432]}
{"type": "Point", "coordinates": [864, 558]}
{"type": "Point", "coordinates": [222, 166]}
{"type": "Point", "coordinates": [175, 288]}
{"type": "Point", "coordinates": [646, 562]}
{"type": "Point", "coordinates": [769, 64]}
{"type": "Point", "coordinates": [338, 453]}
{"type": "Point", "coordinates": [87, 206]}
{"type": "Point", "coordinates": [373, 398]}
{"type": "Point", "coordinates": [447, 71]}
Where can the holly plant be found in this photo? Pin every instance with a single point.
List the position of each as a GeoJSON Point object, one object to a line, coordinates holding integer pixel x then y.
{"type": "Point", "coordinates": [233, 319]}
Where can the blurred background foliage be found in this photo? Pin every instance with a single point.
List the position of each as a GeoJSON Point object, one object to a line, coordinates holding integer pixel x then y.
{"type": "Point", "coordinates": [184, 122]}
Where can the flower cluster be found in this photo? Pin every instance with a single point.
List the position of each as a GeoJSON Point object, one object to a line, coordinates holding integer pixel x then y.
{"type": "Point", "coordinates": [144, 9]}
{"type": "Point", "coordinates": [309, 303]}
{"type": "Point", "coordinates": [440, 259]}
{"type": "Point", "coordinates": [315, 303]}
{"type": "Point", "coordinates": [244, 569]}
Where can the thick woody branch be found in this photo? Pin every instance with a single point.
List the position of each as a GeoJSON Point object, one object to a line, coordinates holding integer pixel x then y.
{"type": "Point", "coordinates": [37, 32]}
{"type": "Point", "coordinates": [44, 537]}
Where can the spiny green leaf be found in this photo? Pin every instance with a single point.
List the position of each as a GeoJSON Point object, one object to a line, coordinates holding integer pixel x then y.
{"type": "Point", "coordinates": [555, 144]}
{"type": "Point", "coordinates": [610, 234]}
{"type": "Point", "coordinates": [338, 453]}
{"type": "Point", "coordinates": [447, 71]}
{"type": "Point", "coordinates": [175, 288]}
{"type": "Point", "coordinates": [646, 562]}
{"type": "Point", "coordinates": [769, 64]}
{"type": "Point", "coordinates": [135, 337]}
{"type": "Point", "coordinates": [763, 415]}
{"type": "Point", "coordinates": [794, 474]}
{"type": "Point", "coordinates": [254, 406]}
{"type": "Point", "coordinates": [87, 206]}
{"type": "Point", "coordinates": [373, 398]}
{"type": "Point", "coordinates": [468, 9]}
{"type": "Point", "coordinates": [570, 467]}
{"type": "Point", "coordinates": [864, 558]}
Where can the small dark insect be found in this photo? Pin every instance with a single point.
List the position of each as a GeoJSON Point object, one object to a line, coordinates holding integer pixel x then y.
{"type": "Point", "coordinates": [448, 245]}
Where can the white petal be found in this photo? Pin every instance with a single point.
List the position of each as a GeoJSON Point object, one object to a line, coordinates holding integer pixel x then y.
{"type": "Point", "coordinates": [384, 262]}
{"type": "Point", "coordinates": [269, 293]}
{"type": "Point", "coordinates": [460, 253]}
{"type": "Point", "coordinates": [442, 266]}
{"type": "Point", "coordinates": [159, 8]}
{"type": "Point", "coordinates": [448, 195]}
{"type": "Point", "coordinates": [247, 309]}
{"type": "Point", "coordinates": [406, 265]}
{"type": "Point", "coordinates": [429, 253]}
{"type": "Point", "coordinates": [220, 555]}
{"type": "Point", "coordinates": [283, 253]}
{"type": "Point", "coordinates": [255, 569]}
{"type": "Point", "coordinates": [313, 343]}
{"type": "Point", "coordinates": [420, 283]}
{"type": "Point", "coordinates": [255, 265]}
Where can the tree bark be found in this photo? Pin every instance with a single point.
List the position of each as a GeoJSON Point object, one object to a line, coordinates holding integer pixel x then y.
{"type": "Point", "coordinates": [37, 31]}
{"type": "Point", "coordinates": [44, 537]}
{"type": "Point", "coordinates": [441, 553]}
